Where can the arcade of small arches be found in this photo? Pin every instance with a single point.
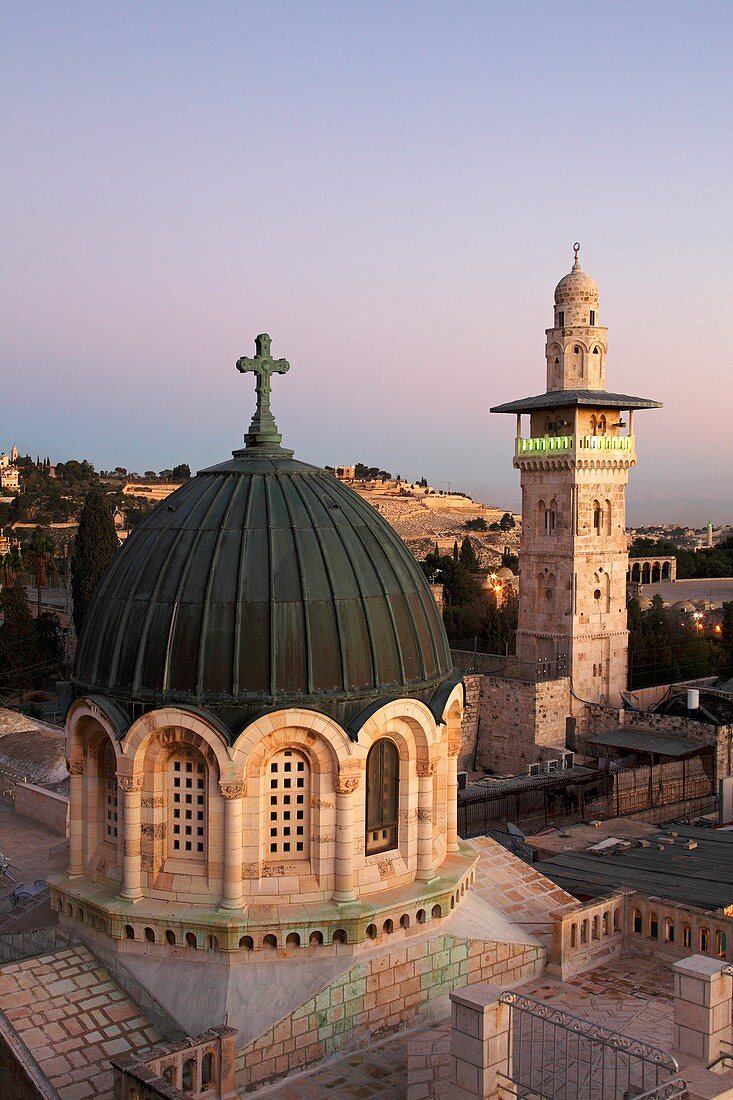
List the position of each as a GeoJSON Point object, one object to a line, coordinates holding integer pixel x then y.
{"type": "Point", "coordinates": [651, 570]}
{"type": "Point", "coordinates": [294, 813]}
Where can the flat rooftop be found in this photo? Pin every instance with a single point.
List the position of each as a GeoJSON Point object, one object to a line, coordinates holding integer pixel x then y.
{"type": "Point", "coordinates": [660, 866]}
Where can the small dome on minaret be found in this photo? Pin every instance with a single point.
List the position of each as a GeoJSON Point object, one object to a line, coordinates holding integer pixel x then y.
{"type": "Point", "coordinates": [576, 288]}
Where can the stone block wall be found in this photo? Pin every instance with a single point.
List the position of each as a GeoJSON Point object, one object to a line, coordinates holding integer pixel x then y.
{"type": "Point", "coordinates": [378, 996]}
{"type": "Point", "coordinates": [49, 808]}
{"type": "Point", "coordinates": [515, 717]}
{"type": "Point", "coordinates": [470, 723]}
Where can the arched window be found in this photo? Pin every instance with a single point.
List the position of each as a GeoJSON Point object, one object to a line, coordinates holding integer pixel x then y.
{"type": "Point", "coordinates": [607, 516]}
{"type": "Point", "coordinates": [584, 931]}
{"type": "Point", "coordinates": [573, 935]}
{"type": "Point", "coordinates": [189, 1075]}
{"type": "Point", "coordinates": [550, 518]}
{"type": "Point", "coordinates": [597, 518]}
{"type": "Point", "coordinates": [668, 930]}
{"type": "Point", "coordinates": [110, 793]}
{"type": "Point", "coordinates": [720, 944]}
{"type": "Point", "coordinates": [288, 791]}
{"type": "Point", "coordinates": [601, 424]}
{"type": "Point", "coordinates": [207, 1071]}
{"type": "Point", "coordinates": [637, 921]}
{"type": "Point", "coordinates": [686, 935]}
{"type": "Point", "coordinates": [704, 940]}
{"type": "Point", "coordinates": [595, 926]}
{"type": "Point", "coordinates": [188, 808]}
{"type": "Point", "coordinates": [654, 926]}
{"type": "Point", "coordinates": [593, 424]}
{"type": "Point", "coordinates": [382, 796]}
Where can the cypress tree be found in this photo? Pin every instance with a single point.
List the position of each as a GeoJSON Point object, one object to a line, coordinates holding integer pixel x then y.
{"type": "Point", "coordinates": [468, 556]}
{"type": "Point", "coordinates": [17, 639]}
{"type": "Point", "coordinates": [94, 547]}
{"type": "Point", "coordinates": [455, 550]}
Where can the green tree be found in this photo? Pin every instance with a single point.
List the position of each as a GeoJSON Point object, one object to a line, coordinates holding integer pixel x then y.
{"type": "Point", "coordinates": [468, 556]}
{"type": "Point", "coordinates": [17, 639]}
{"type": "Point", "coordinates": [506, 522]}
{"type": "Point", "coordinates": [477, 524]}
{"type": "Point", "coordinates": [40, 557]}
{"type": "Point", "coordinates": [455, 550]}
{"type": "Point", "coordinates": [95, 546]}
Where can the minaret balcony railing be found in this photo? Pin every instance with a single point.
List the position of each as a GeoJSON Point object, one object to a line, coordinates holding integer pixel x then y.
{"type": "Point", "coordinates": [567, 444]}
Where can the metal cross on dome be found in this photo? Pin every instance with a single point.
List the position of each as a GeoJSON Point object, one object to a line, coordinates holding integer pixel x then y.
{"type": "Point", "coordinates": [263, 429]}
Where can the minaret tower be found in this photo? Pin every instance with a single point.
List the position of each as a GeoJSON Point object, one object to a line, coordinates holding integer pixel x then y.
{"type": "Point", "coordinates": [574, 465]}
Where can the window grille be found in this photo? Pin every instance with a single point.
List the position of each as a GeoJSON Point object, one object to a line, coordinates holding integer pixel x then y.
{"type": "Point", "coordinates": [188, 809]}
{"type": "Point", "coordinates": [383, 780]}
{"type": "Point", "coordinates": [110, 794]}
{"type": "Point", "coordinates": [288, 790]}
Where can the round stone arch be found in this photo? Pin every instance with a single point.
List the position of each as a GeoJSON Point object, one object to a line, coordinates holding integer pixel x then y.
{"type": "Point", "coordinates": [274, 730]}
{"type": "Point", "coordinates": [137, 738]}
{"type": "Point", "coordinates": [410, 720]}
{"type": "Point", "coordinates": [91, 733]}
{"type": "Point", "coordinates": [83, 715]}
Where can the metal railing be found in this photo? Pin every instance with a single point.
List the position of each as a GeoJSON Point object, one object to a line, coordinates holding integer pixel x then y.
{"type": "Point", "coordinates": [553, 1055]}
{"type": "Point", "coordinates": [9, 780]}
{"type": "Point", "coordinates": [563, 444]}
{"type": "Point", "coordinates": [509, 667]}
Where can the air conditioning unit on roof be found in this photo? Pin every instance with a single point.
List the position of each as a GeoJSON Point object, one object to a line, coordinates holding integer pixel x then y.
{"type": "Point", "coordinates": [534, 769]}
{"type": "Point", "coordinates": [552, 766]}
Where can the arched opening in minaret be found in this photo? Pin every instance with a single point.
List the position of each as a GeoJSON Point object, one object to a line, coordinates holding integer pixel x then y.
{"type": "Point", "coordinates": [597, 517]}
{"type": "Point", "coordinates": [601, 424]}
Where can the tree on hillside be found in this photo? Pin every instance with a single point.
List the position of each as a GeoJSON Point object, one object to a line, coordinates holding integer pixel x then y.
{"type": "Point", "coordinates": [468, 556]}
{"type": "Point", "coordinates": [507, 522]}
{"type": "Point", "coordinates": [95, 546]}
{"type": "Point", "coordinates": [17, 639]}
{"type": "Point", "coordinates": [455, 550]}
{"type": "Point", "coordinates": [40, 557]}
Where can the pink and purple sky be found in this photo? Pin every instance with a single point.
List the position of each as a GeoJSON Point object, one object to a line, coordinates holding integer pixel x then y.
{"type": "Point", "coordinates": [392, 191]}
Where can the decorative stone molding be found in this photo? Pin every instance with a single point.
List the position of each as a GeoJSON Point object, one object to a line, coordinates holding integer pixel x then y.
{"type": "Point", "coordinates": [130, 783]}
{"type": "Point", "coordinates": [454, 746]}
{"type": "Point", "coordinates": [345, 784]}
{"type": "Point", "coordinates": [157, 802]}
{"type": "Point", "coordinates": [424, 814]}
{"type": "Point", "coordinates": [426, 768]}
{"type": "Point", "coordinates": [76, 767]}
{"type": "Point", "coordinates": [157, 831]}
{"type": "Point", "coordinates": [233, 790]}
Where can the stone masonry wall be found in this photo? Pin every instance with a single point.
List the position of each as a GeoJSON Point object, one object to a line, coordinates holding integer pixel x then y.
{"type": "Point", "coordinates": [470, 723]}
{"type": "Point", "coordinates": [516, 717]}
{"type": "Point", "coordinates": [719, 736]}
{"type": "Point", "coordinates": [383, 994]}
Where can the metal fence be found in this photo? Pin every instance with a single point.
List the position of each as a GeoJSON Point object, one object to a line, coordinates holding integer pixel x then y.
{"type": "Point", "coordinates": [508, 666]}
{"type": "Point", "coordinates": [555, 1056]}
{"type": "Point", "coordinates": [9, 779]}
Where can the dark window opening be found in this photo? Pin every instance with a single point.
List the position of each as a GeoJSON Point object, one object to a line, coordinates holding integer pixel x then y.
{"type": "Point", "coordinates": [382, 796]}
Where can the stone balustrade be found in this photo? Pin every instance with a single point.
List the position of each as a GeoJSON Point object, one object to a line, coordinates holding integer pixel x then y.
{"type": "Point", "coordinates": [202, 1066]}
{"type": "Point", "coordinates": [583, 936]}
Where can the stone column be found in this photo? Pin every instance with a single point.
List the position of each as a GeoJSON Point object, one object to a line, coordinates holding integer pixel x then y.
{"type": "Point", "coordinates": [454, 747]}
{"type": "Point", "coordinates": [131, 787]}
{"type": "Point", "coordinates": [425, 773]}
{"type": "Point", "coordinates": [702, 1006]}
{"type": "Point", "coordinates": [344, 787]}
{"type": "Point", "coordinates": [232, 897]}
{"type": "Point", "coordinates": [479, 1041]}
{"type": "Point", "coordinates": [76, 819]}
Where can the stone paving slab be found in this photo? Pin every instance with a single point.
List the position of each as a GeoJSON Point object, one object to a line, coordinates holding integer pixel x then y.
{"type": "Point", "coordinates": [72, 1017]}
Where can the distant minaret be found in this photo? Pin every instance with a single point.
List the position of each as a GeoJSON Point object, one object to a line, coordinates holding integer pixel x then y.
{"type": "Point", "coordinates": [709, 541]}
{"type": "Point", "coordinates": [574, 466]}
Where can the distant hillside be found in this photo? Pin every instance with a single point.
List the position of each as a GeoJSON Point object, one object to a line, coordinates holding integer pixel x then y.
{"type": "Point", "coordinates": [421, 519]}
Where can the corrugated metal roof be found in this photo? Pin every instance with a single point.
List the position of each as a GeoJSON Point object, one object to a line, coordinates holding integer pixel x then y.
{"type": "Point", "coordinates": [562, 399]}
{"type": "Point", "coordinates": [701, 876]}
{"type": "Point", "coordinates": [664, 744]}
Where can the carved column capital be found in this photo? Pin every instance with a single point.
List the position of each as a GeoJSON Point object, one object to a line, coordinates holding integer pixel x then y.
{"type": "Point", "coordinates": [76, 767]}
{"type": "Point", "coordinates": [345, 784]}
{"type": "Point", "coordinates": [426, 768]}
{"type": "Point", "coordinates": [233, 790]}
{"type": "Point", "coordinates": [454, 746]}
{"type": "Point", "coordinates": [130, 783]}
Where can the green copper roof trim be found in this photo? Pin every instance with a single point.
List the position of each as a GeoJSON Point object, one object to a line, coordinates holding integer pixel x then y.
{"type": "Point", "coordinates": [562, 399]}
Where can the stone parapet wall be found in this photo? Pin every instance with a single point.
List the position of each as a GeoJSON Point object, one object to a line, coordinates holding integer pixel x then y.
{"type": "Point", "coordinates": [515, 717]}
{"type": "Point", "coordinates": [24, 945]}
{"type": "Point", "coordinates": [42, 805]}
{"type": "Point", "coordinates": [585, 936]}
{"type": "Point", "coordinates": [376, 997]}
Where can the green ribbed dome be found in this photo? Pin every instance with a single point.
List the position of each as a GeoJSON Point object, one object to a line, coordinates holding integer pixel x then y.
{"type": "Point", "coordinates": [263, 582]}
